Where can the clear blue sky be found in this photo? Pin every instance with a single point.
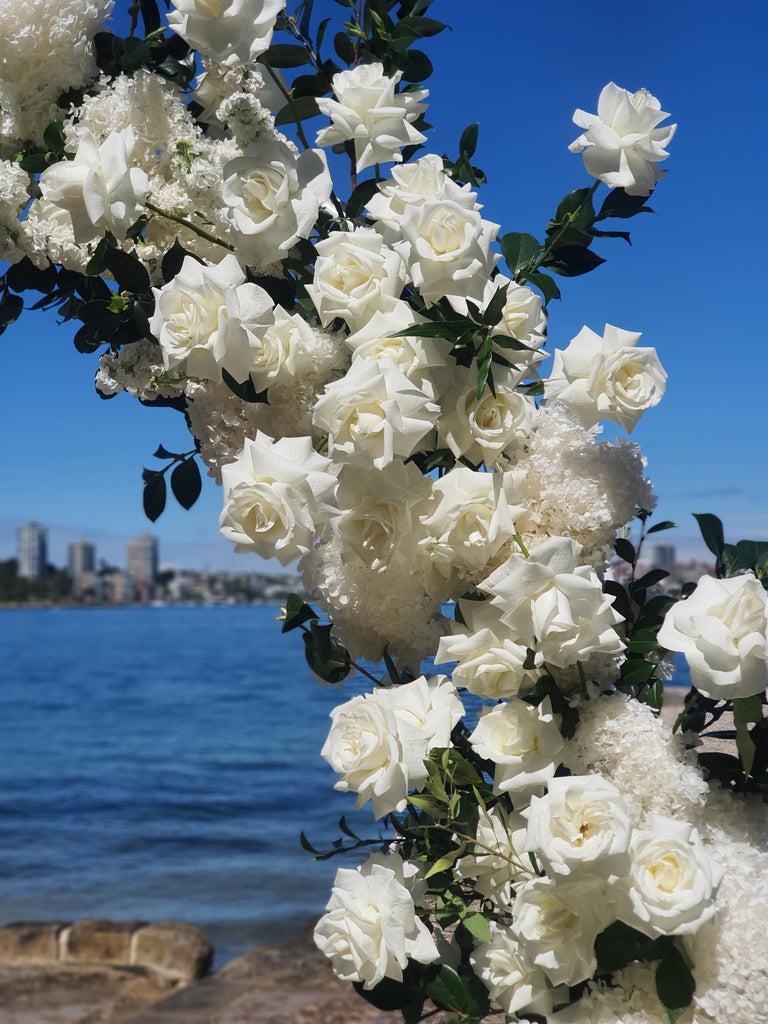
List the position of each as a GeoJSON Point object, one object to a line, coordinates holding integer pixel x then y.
{"type": "Point", "coordinates": [692, 282]}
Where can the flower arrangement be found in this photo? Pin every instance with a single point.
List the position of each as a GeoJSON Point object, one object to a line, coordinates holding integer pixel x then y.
{"type": "Point", "coordinates": [364, 378]}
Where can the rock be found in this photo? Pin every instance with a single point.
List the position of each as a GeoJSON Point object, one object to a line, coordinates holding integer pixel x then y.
{"type": "Point", "coordinates": [96, 941]}
{"type": "Point", "coordinates": [24, 941]}
{"type": "Point", "coordinates": [175, 950]}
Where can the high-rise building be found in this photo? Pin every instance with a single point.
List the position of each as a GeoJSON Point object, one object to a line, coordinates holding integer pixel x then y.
{"type": "Point", "coordinates": [661, 556]}
{"type": "Point", "coordinates": [141, 563]}
{"type": "Point", "coordinates": [82, 562]}
{"type": "Point", "coordinates": [32, 550]}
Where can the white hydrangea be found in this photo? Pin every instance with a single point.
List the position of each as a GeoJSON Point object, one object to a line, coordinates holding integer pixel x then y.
{"type": "Point", "coordinates": [14, 183]}
{"type": "Point", "coordinates": [138, 369]}
{"type": "Point", "coordinates": [45, 49]}
{"type": "Point", "coordinates": [221, 422]}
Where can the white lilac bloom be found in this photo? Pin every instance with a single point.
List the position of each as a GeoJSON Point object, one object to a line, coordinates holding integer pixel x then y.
{"type": "Point", "coordinates": [206, 319]}
{"type": "Point", "coordinates": [622, 144]}
{"type": "Point", "coordinates": [671, 884]}
{"type": "Point", "coordinates": [490, 664]}
{"type": "Point", "coordinates": [273, 197]}
{"type": "Point", "coordinates": [507, 971]}
{"type": "Point", "coordinates": [370, 929]}
{"type": "Point", "coordinates": [370, 112]}
{"type": "Point", "coordinates": [580, 826]}
{"type": "Point", "coordinates": [554, 604]}
{"type": "Point", "coordinates": [523, 741]}
{"type": "Point", "coordinates": [558, 922]}
{"type": "Point", "coordinates": [374, 412]}
{"type": "Point", "coordinates": [722, 629]}
{"type": "Point", "coordinates": [607, 378]}
{"type": "Point", "coordinates": [231, 31]}
{"type": "Point", "coordinates": [276, 496]}
{"type": "Point", "coordinates": [356, 275]}
{"type": "Point", "coordinates": [98, 188]}
{"type": "Point", "coordinates": [446, 248]}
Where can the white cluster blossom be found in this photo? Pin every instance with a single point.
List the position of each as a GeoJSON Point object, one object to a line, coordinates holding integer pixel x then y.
{"type": "Point", "coordinates": [14, 197]}
{"type": "Point", "coordinates": [138, 369]}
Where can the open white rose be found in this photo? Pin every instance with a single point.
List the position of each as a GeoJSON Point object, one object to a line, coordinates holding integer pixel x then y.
{"type": "Point", "coordinates": [275, 497]}
{"type": "Point", "coordinates": [607, 378]}
{"type": "Point", "coordinates": [489, 663]}
{"type": "Point", "coordinates": [98, 188]}
{"type": "Point", "coordinates": [485, 429]}
{"type": "Point", "coordinates": [232, 31]}
{"type": "Point", "coordinates": [671, 885]}
{"type": "Point", "coordinates": [509, 974]}
{"type": "Point", "coordinates": [282, 350]}
{"type": "Point", "coordinates": [205, 319]}
{"type": "Point", "coordinates": [446, 248]}
{"type": "Point", "coordinates": [368, 111]}
{"type": "Point", "coordinates": [722, 629]}
{"type": "Point", "coordinates": [371, 930]}
{"type": "Point", "coordinates": [524, 743]}
{"type": "Point", "coordinates": [622, 145]}
{"type": "Point", "coordinates": [558, 922]}
{"type": "Point", "coordinates": [580, 825]}
{"type": "Point", "coordinates": [356, 274]}
{"type": "Point", "coordinates": [273, 198]}
{"type": "Point", "coordinates": [374, 412]}
{"type": "Point", "coordinates": [552, 603]}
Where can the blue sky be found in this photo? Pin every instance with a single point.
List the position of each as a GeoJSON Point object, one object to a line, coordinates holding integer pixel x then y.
{"type": "Point", "coordinates": [692, 281]}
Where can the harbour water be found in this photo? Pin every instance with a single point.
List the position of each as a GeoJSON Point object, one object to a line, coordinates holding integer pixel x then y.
{"type": "Point", "coordinates": [160, 763]}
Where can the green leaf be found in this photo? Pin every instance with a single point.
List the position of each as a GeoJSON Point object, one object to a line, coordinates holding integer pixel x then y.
{"type": "Point", "coordinates": [344, 47]}
{"type": "Point", "coordinates": [309, 85]}
{"type": "Point", "coordinates": [418, 68]}
{"type": "Point", "coordinates": [154, 495]}
{"type": "Point", "coordinates": [173, 260]}
{"type": "Point", "coordinates": [625, 550]}
{"type": "Point", "coordinates": [519, 250]}
{"type": "Point", "coordinates": [746, 710]}
{"type": "Point", "coordinates": [666, 525]}
{"type": "Point", "coordinates": [130, 274]}
{"type": "Point", "coordinates": [478, 925]}
{"type": "Point", "coordinates": [186, 483]}
{"type": "Point", "coordinates": [162, 453]}
{"type": "Point", "coordinates": [246, 390]}
{"type": "Point", "coordinates": [617, 946]}
{"type": "Point", "coordinates": [636, 671]}
{"type": "Point", "coordinates": [618, 204]}
{"type": "Point", "coordinates": [650, 579]}
{"type": "Point", "coordinates": [326, 655]}
{"type": "Point", "coordinates": [54, 137]}
{"type": "Point", "coordinates": [296, 613]}
{"type": "Point", "coordinates": [417, 28]}
{"type": "Point", "coordinates": [445, 862]}
{"type": "Point", "coordinates": [427, 803]}
{"type": "Point", "coordinates": [11, 307]}
{"type": "Point", "coordinates": [24, 275]}
{"type": "Point", "coordinates": [747, 554]}
{"type": "Point", "coordinates": [712, 533]}
{"type": "Point", "coordinates": [675, 983]}
{"type": "Point", "coordinates": [572, 261]}
{"type": "Point", "coordinates": [546, 285]}
{"type": "Point", "coordinates": [359, 198]}
{"type": "Point", "coordinates": [468, 141]}
{"type": "Point", "coordinates": [303, 107]}
{"type": "Point", "coordinates": [34, 163]}
{"type": "Point", "coordinates": [285, 55]}
{"type": "Point", "coordinates": [450, 991]}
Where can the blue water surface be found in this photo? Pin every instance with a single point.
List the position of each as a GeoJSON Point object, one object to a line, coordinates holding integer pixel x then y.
{"type": "Point", "coordinates": [160, 763]}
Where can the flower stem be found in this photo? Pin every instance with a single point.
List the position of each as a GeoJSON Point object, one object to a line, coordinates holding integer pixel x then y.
{"type": "Point", "coordinates": [552, 242]}
{"type": "Point", "coordinates": [289, 99]}
{"type": "Point", "coordinates": [188, 224]}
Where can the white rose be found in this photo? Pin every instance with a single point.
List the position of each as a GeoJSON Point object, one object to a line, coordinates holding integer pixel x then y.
{"type": "Point", "coordinates": [356, 274]}
{"type": "Point", "coordinates": [472, 518]}
{"type": "Point", "coordinates": [98, 188]}
{"type": "Point", "coordinates": [580, 824]}
{"type": "Point", "coordinates": [205, 319]}
{"type": "Point", "coordinates": [622, 145]}
{"type": "Point", "coordinates": [232, 31]}
{"type": "Point", "coordinates": [489, 665]}
{"type": "Point", "coordinates": [512, 979]}
{"type": "Point", "coordinates": [558, 923]}
{"type": "Point", "coordinates": [722, 629]}
{"type": "Point", "coordinates": [671, 885]}
{"type": "Point", "coordinates": [426, 709]}
{"type": "Point", "coordinates": [374, 412]}
{"type": "Point", "coordinates": [371, 930]}
{"type": "Point", "coordinates": [368, 111]}
{"type": "Point", "coordinates": [281, 351]}
{"type": "Point", "coordinates": [483, 429]}
{"type": "Point", "coordinates": [274, 197]}
{"type": "Point", "coordinates": [411, 185]}
{"type": "Point", "coordinates": [446, 248]}
{"type": "Point", "coordinates": [523, 741]}
{"type": "Point", "coordinates": [607, 378]}
{"type": "Point", "coordinates": [419, 359]}
{"type": "Point", "coordinates": [550, 601]}
{"type": "Point", "coordinates": [364, 749]}
{"type": "Point", "coordinates": [275, 496]}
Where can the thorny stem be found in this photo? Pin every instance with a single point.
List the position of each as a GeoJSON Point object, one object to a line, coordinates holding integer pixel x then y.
{"type": "Point", "coordinates": [188, 224]}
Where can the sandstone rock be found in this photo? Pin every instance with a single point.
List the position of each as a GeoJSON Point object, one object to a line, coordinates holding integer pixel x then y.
{"type": "Point", "coordinates": [96, 941]}
{"type": "Point", "coordinates": [23, 941]}
{"type": "Point", "coordinates": [176, 950]}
